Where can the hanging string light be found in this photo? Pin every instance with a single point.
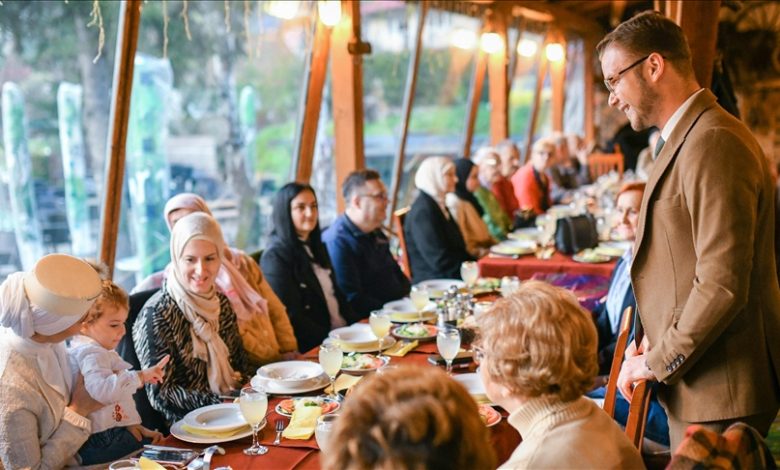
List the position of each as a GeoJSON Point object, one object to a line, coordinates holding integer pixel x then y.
{"type": "Point", "coordinates": [329, 11]}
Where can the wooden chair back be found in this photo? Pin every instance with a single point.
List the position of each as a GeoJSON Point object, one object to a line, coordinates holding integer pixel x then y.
{"type": "Point", "coordinates": [602, 163]}
{"type": "Point", "coordinates": [617, 361]}
{"type": "Point", "coordinates": [637, 413]}
{"type": "Point", "coordinates": [403, 256]}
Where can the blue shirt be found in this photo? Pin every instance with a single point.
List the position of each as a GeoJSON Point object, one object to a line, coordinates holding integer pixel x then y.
{"type": "Point", "coordinates": [365, 270]}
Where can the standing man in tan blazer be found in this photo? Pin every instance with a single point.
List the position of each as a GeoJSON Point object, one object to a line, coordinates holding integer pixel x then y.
{"type": "Point", "coordinates": [704, 271]}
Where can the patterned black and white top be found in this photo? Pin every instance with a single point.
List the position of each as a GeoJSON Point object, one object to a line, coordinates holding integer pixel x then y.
{"type": "Point", "coordinates": [161, 329]}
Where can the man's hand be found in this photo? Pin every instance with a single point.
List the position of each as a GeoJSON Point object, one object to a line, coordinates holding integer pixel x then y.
{"type": "Point", "coordinates": [634, 368]}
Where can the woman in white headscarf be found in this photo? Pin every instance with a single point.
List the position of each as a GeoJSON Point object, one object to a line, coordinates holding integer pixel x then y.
{"type": "Point", "coordinates": [193, 322]}
{"type": "Point", "coordinates": [265, 328]}
{"type": "Point", "coordinates": [43, 408]}
{"type": "Point", "coordinates": [433, 240]}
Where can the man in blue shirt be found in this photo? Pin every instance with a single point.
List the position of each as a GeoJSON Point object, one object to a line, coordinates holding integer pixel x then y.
{"type": "Point", "coordinates": [365, 270]}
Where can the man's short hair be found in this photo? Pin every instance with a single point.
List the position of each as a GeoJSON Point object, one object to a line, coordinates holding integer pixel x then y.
{"type": "Point", "coordinates": [356, 180]}
{"type": "Point", "coordinates": [648, 32]}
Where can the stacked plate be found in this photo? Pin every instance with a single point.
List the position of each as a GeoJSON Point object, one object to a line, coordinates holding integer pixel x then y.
{"type": "Point", "coordinates": [290, 377]}
{"type": "Point", "coordinates": [359, 338]}
{"type": "Point", "coordinates": [437, 287]}
{"type": "Point", "coordinates": [403, 311]}
{"type": "Point", "coordinates": [212, 424]}
{"type": "Point", "coordinates": [514, 248]}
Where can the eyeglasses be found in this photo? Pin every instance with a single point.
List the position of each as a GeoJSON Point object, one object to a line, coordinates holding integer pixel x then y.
{"type": "Point", "coordinates": [479, 355]}
{"type": "Point", "coordinates": [382, 196]}
{"type": "Point", "coordinates": [612, 81]}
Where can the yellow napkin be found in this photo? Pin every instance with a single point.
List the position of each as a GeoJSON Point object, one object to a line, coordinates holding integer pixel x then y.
{"type": "Point", "coordinates": [481, 399]}
{"type": "Point", "coordinates": [303, 422]}
{"type": "Point", "coordinates": [147, 464]}
{"type": "Point", "coordinates": [400, 348]}
{"type": "Point", "coordinates": [217, 434]}
{"type": "Point", "coordinates": [344, 382]}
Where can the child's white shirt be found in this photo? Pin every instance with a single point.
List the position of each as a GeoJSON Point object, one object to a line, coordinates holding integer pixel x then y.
{"type": "Point", "coordinates": [108, 380]}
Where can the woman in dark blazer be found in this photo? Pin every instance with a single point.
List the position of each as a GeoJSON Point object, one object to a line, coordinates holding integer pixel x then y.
{"type": "Point", "coordinates": [433, 240]}
{"type": "Point", "coordinates": [297, 266]}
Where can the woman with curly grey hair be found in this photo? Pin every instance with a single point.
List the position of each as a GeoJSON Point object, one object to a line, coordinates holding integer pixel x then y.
{"type": "Point", "coordinates": [537, 354]}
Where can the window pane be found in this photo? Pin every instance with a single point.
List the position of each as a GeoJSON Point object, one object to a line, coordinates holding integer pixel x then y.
{"type": "Point", "coordinates": [55, 101]}
{"type": "Point", "coordinates": [218, 117]}
{"type": "Point", "coordinates": [521, 96]}
{"type": "Point", "coordinates": [574, 106]}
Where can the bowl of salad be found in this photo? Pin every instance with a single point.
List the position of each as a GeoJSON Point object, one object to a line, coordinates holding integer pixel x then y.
{"type": "Point", "coordinates": [418, 331]}
{"type": "Point", "coordinates": [362, 363]}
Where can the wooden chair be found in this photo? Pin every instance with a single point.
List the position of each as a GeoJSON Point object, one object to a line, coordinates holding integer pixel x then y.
{"type": "Point", "coordinates": [617, 360]}
{"type": "Point", "coordinates": [403, 255]}
{"type": "Point", "coordinates": [602, 163]}
{"type": "Point", "coordinates": [637, 413]}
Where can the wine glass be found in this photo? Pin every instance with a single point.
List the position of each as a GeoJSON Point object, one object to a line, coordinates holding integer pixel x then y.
{"type": "Point", "coordinates": [253, 404]}
{"type": "Point", "coordinates": [331, 357]}
{"type": "Point", "coordinates": [379, 321]}
{"type": "Point", "coordinates": [420, 298]}
{"type": "Point", "coordinates": [448, 344]}
{"type": "Point", "coordinates": [469, 272]}
{"type": "Point", "coordinates": [509, 284]}
{"type": "Point", "coordinates": [324, 429]}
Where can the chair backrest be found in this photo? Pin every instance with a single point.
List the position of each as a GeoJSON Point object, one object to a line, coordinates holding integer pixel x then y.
{"type": "Point", "coordinates": [637, 413]}
{"type": "Point", "coordinates": [403, 256]}
{"type": "Point", "coordinates": [602, 163]}
{"type": "Point", "coordinates": [617, 361]}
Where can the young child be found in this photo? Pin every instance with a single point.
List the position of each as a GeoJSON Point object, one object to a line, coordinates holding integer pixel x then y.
{"type": "Point", "coordinates": [116, 428]}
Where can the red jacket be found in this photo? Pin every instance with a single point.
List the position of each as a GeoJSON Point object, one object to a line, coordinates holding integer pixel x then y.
{"type": "Point", "coordinates": [504, 192]}
{"type": "Point", "coordinates": [529, 192]}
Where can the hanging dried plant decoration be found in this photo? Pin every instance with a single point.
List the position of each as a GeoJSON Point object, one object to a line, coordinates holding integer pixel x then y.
{"type": "Point", "coordinates": [227, 15]}
{"type": "Point", "coordinates": [186, 18]}
{"type": "Point", "coordinates": [247, 9]}
{"type": "Point", "coordinates": [165, 28]}
{"type": "Point", "coordinates": [97, 19]}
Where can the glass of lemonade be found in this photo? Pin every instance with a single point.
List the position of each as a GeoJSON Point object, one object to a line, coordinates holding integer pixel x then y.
{"type": "Point", "coordinates": [448, 343]}
{"type": "Point", "coordinates": [469, 272]}
{"type": "Point", "coordinates": [420, 298]}
{"type": "Point", "coordinates": [379, 320]}
{"type": "Point", "coordinates": [324, 430]}
{"type": "Point", "coordinates": [331, 357]}
{"type": "Point", "coordinates": [253, 404]}
{"type": "Point", "coordinates": [509, 284]}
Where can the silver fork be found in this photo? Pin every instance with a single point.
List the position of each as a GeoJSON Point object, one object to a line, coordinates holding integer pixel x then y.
{"type": "Point", "coordinates": [279, 424]}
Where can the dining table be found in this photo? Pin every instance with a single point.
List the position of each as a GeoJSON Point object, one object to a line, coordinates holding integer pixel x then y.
{"type": "Point", "coordinates": [305, 454]}
{"type": "Point", "coordinates": [526, 266]}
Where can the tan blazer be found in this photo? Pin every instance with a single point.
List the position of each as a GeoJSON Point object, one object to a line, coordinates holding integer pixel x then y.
{"type": "Point", "coordinates": [704, 271]}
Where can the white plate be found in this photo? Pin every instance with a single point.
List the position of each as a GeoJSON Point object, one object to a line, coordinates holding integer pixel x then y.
{"type": "Point", "coordinates": [355, 371]}
{"type": "Point", "coordinates": [358, 335]}
{"type": "Point", "coordinates": [387, 343]}
{"type": "Point", "coordinates": [276, 389]}
{"type": "Point", "coordinates": [528, 233]}
{"type": "Point", "coordinates": [216, 418]}
{"type": "Point", "coordinates": [290, 373]}
{"type": "Point", "coordinates": [403, 311]}
{"type": "Point", "coordinates": [436, 287]}
{"type": "Point", "coordinates": [182, 435]}
{"type": "Point", "coordinates": [320, 399]}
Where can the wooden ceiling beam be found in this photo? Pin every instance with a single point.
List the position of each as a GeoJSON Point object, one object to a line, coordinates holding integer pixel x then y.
{"type": "Point", "coordinates": [566, 19]}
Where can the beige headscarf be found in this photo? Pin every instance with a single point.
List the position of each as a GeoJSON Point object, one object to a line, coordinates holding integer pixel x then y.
{"type": "Point", "coordinates": [430, 179]}
{"type": "Point", "coordinates": [244, 299]}
{"type": "Point", "coordinates": [202, 311]}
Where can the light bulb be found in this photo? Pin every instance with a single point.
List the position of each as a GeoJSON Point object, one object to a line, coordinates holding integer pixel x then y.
{"type": "Point", "coordinates": [464, 39]}
{"type": "Point", "coordinates": [285, 10]}
{"type": "Point", "coordinates": [554, 52]}
{"type": "Point", "coordinates": [527, 47]}
{"type": "Point", "coordinates": [330, 12]}
{"type": "Point", "coordinates": [491, 43]}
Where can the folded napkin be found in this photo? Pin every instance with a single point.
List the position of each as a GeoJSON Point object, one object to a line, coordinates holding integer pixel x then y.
{"type": "Point", "coordinates": [400, 348]}
{"type": "Point", "coordinates": [344, 382]}
{"type": "Point", "coordinates": [217, 434]}
{"type": "Point", "coordinates": [303, 422]}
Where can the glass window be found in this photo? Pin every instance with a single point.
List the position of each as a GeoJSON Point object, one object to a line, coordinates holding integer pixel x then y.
{"type": "Point", "coordinates": [574, 106]}
{"type": "Point", "coordinates": [56, 96]}
{"type": "Point", "coordinates": [216, 116]}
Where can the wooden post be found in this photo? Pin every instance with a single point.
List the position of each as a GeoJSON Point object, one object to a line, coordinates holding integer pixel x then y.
{"type": "Point", "coordinates": [127, 41]}
{"type": "Point", "coordinates": [411, 85]}
{"type": "Point", "coordinates": [699, 21]}
{"type": "Point", "coordinates": [557, 78]}
{"type": "Point", "coordinates": [537, 100]}
{"type": "Point", "coordinates": [346, 73]}
{"type": "Point", "coordinates": [475, 94]}
{"type": "Point", "coordinates": [316, 71]}
{"type": "Point", "coordinates": [497, 81]}
{"type": "Point", "coordinates": [589, 90]}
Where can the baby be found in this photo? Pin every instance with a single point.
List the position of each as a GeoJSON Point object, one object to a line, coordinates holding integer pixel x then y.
{"type": "Point", "coordinates": [116, 428]}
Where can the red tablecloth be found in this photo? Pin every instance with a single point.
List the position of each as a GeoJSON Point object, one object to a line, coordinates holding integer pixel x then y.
{"type": "Point", "coordinates": [526, 266]}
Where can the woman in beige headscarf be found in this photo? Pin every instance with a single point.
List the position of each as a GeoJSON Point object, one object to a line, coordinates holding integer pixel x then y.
{"type": "Point", "coordinates": [43, 409]}
{"type": "Point", "coordinates": [193, 322]}
{"type": "Point", "coordinates": [265, 328]}
{"type": "Point", "coordinates": [433, 240]}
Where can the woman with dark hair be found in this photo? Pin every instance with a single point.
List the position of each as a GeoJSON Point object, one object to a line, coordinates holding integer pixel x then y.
{"type": "Point", "coordinates": [466, 210]}
{"type": "Point", "coordinates": [297, 266]}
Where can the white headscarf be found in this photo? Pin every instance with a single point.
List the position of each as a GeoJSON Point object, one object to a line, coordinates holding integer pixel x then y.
{"type": "Point", "coordinates": [430, 179]}
{"type": "Point", "coordinates": [202, 311]}
{"type": "Point", "coordinates": [21, 320]}
{"type": "Point", "coordinates": [244, 299]}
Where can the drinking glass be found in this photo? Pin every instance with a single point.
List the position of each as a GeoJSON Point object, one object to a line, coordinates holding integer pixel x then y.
{"type": "Point", "coordinates": [448, 344]}
{"type": "Point", "coordinates": [324, 430]}
{"type": "Point", "coordinates": [469, 272]}
{"type": "Point", "coordinates": [331, 357]}
{"type": "Point", "coordinates": [420, 298]}
{"type": "Point", "coordinates": [253, 404]}
{"type": "Point", "coordinates": [379, 321]}
{"type": "Point", "coordinates": [509, 284]}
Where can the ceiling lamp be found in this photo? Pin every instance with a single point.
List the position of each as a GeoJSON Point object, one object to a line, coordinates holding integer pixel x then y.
{"type": "Point", "coordinates": [554, 52]}
{"type": "Point", "coordinates": [527, 47]}
{"type": "Point", "coordinates": [285, 10]}
{"type": "Point", "coordinates": [464, 39]}
{"type": "Point", "coordinates": [330, 12]}
{"type": "Point", "coordinates": [491, 43]}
